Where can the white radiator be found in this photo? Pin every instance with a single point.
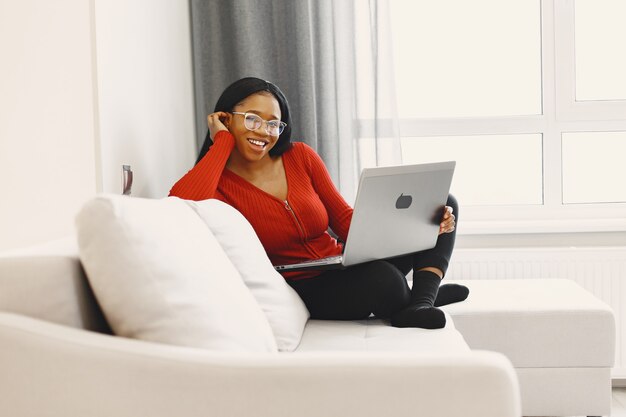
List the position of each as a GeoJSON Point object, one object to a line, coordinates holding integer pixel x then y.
{"type": "Point", "coordinates": [601, 270]}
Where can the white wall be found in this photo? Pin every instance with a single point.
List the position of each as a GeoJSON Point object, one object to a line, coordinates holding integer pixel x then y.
{"type": "Point", "coordinates": [145, 90]}
{"type": "Point", "coordinates": [47, 159]}
{"type": "Point", "coordinates": [86, 86]}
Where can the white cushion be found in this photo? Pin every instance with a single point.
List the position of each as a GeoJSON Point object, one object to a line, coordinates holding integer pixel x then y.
{"type": "Point", "coordinates": [282, 306]}
{"type": "Point", "coordinates": [377, 335]}
{"type": "Point", "coordinates": [537, 322]}
{"type": "Point", "coordinates": [160, 275]}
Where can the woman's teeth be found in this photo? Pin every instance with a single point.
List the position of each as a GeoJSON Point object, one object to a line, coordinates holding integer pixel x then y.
{"type": "Point", "coordinates": [257, 142]}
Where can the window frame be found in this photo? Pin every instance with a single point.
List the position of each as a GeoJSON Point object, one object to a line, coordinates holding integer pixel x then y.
{"type": "Point", "coordinates": [560, 113]}
{"type": "Point", "coordinates": [569, 109]}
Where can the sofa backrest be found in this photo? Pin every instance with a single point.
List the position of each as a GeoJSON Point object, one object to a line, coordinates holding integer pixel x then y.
{"type": "Point", "coordinates": [50, 284]}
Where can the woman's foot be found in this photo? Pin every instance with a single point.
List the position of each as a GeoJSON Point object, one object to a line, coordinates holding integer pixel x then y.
{"type": "Point", "coordinates": [422, 317]}
{"type": "Point", "coordinates": [451, 293]}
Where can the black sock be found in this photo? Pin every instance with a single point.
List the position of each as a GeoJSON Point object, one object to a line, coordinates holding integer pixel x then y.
{"type": "Point", "coordinates": [421, 311]}
{"type": "Point", "coordinates": [451, 293]}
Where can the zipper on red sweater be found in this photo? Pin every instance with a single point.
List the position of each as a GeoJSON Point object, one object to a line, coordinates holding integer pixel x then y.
{"type": "Point", "coordinates": [306, 245]}
{"type": "Point", "coordinates": [290, 210]}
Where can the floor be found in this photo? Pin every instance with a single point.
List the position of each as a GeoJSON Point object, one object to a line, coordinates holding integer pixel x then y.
{"type": "Point", "coordinates": [618, 408]}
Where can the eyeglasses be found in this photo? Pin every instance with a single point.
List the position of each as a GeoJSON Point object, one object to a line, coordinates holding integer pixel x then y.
{"type": "Point", "coordinates": [253, 122]}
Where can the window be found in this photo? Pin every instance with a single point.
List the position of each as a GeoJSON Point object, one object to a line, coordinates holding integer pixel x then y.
{"type": "Point", "coordinates": [593, 167]}
{"type": "Point", "coordinates": [599, 35]}
{"type": "Point", "coordinates": [491, 169]}
{"type": "Point", "coordinates": [528, 96]}
{"type": "Point", "coordinates": [467, 59]}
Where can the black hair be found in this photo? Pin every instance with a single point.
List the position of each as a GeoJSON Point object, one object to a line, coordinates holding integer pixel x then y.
{"type": "Point", "coordinates": [238, 91]}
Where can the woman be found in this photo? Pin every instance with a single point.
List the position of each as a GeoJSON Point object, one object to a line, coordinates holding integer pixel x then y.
{"type": "Point", "coordinates": [287, 195]}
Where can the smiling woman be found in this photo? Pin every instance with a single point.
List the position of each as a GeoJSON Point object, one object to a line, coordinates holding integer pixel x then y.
{"type": "Point", "coordinates": [285, 192]}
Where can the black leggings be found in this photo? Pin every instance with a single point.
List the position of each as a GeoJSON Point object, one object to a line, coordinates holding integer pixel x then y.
{"type": "Point", "coordinates": [378, 287]}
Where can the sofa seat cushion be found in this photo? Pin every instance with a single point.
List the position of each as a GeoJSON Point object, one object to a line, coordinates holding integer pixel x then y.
{"type": "Point", "coordinates": [377, 335]}
{"type": "Point", "coordinates": [537, 322]}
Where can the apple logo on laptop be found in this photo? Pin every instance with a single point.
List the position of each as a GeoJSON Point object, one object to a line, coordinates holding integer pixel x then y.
{"type": "Point", "coordinates": [404, 201]}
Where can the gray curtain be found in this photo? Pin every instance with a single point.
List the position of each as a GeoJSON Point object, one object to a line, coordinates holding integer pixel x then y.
{"type": "Point", "coordinates": [310, 49]}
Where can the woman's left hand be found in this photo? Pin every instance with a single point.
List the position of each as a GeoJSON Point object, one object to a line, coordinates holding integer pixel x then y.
{"type": "Point", "coordinates": [448, 222]}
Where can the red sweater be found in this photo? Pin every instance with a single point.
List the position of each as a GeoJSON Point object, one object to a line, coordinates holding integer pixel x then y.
{"type": "Point", "coordinates": [290, 231]}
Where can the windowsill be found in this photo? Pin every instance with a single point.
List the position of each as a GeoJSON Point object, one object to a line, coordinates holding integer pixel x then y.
{"type": "Point", "coordinates": [513, 227]}
{"type": "Point", "coordinates": [542, 219]}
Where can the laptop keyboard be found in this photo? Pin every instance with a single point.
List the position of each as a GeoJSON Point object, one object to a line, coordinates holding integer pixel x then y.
{"type": "Point", "coordinates": [324, 260]}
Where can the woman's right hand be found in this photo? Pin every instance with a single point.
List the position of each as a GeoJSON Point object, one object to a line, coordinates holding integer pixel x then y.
{"type": "Point", "coordinates": [218, 121]}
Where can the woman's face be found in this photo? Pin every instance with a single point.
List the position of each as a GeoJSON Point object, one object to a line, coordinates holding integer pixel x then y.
{"type": "Point", "coordinates": [254, 145]}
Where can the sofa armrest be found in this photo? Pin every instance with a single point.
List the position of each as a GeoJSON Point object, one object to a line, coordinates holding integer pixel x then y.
{"type": "Point", "coordinates": [54, 370]}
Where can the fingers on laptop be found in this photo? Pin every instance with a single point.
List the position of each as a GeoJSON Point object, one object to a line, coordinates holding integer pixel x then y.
{"type": "Point", "coordinates": [448, 222]}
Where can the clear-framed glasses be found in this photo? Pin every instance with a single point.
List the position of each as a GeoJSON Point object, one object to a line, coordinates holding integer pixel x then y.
{"type": "Point", "coordinates": [253, 122]}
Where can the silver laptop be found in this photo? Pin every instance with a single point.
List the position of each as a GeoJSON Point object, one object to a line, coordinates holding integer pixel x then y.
{"type": "Point", "coordinates": [397, 211]}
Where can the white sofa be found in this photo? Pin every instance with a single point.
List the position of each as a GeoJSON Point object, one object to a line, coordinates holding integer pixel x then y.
{"type": "Point", "coordinates": [58, 357]}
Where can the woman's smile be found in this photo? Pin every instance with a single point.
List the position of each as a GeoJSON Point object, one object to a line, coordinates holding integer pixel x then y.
{"type": "Point", "coordinates": [258, 143]}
